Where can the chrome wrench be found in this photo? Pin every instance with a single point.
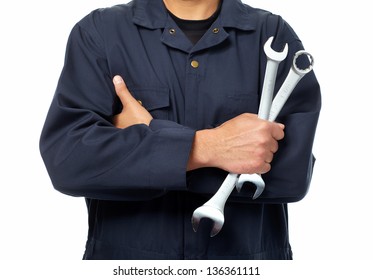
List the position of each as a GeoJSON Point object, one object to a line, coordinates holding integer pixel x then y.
{"type": "Point", "coordinates": [273, 60]}
{"type": "Point", "coordinates": [292, 79]}
{"type": "Point", "coordinates": [214, 208]}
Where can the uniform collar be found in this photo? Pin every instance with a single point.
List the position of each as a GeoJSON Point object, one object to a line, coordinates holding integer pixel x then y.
{"type": "Point", "coordinates": [152, 14]}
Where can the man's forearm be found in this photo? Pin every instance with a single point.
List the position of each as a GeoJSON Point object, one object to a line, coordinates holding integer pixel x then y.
{"type": "Point", "coordinates": [200, 153]}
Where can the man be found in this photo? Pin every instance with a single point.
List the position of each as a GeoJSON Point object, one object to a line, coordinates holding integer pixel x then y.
{"type": "Point", "coordinates": [188, 75]}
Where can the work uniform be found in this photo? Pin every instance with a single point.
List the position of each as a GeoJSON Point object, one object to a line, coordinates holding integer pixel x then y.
{"type": "Point", "coordinates": [140, 198]}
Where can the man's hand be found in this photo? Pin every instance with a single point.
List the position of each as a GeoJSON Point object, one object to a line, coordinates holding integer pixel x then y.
{"type": "Point", "coordinates": [244, 144]}
{"type": "Point", "coordinates": [133, 112]}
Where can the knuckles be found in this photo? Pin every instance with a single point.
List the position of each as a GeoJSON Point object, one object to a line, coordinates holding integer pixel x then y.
{"type": "Point", "coordinates": [259, 167]}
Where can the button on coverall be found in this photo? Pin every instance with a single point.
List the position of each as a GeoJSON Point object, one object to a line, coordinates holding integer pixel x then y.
{"type": "Point", "coordinates": [140, 198]}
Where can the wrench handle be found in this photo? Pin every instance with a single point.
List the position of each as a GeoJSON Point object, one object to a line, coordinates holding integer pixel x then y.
{"type": "Point", "coordinates": [284, 92]}
{"type": "Point", "coordinates": [268, 88]}
{"type": "Point", "coordinates": [221, 196]}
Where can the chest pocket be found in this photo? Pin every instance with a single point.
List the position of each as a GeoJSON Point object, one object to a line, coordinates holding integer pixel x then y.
{"type": "Point", "coordinates": [240, 102]}
{"type": "Point", "coordinates": [229, 104]}
{"type": "Point", "coordinates": [156, 100]}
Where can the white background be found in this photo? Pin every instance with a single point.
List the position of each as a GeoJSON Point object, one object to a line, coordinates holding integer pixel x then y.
{"type": "Point", "coordinates": [334, 222]}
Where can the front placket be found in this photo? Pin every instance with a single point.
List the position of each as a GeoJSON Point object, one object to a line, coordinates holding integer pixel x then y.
{"type": "Point", "coordinates": [196, 59]}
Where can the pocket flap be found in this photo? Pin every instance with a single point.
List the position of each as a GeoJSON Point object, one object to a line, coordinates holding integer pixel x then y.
{"type": "Point", "coordinates": [152, 98]}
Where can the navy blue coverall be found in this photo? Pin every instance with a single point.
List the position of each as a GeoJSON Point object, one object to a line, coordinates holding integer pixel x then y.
{"type": "Point", "coordinates": [140, 198]}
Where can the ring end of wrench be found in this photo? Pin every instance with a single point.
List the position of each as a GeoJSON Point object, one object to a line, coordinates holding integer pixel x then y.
{"type": "Point", "coordinates": [311, 62]}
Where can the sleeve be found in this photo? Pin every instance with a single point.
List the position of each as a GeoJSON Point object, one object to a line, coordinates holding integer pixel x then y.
{"type": "Point", "coordinates": [292, 167]}
{"type": "Point", "coordinates": [85, 155]}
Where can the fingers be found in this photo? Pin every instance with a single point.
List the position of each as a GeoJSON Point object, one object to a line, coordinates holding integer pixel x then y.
{"type": "Point", "coordinates": [269, 157]}
{"type": "Point", "coordinates": [133, 112]}
{"type": "Point", "coordinates": [122, 91]}
{"type": "Point", "coordinates": [268, 146]}
{"type": "Point", "coordinates": [262, 161]}
{"type": "Point", "coordinates": [273, 145]}
{"type": "Point", "coordinates": [266, 168]}
{"type": "Point", "coordinates": [278, 131]}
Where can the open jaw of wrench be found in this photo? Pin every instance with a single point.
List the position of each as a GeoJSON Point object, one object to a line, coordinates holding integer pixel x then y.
{"type": "Point", "coordinates": [273, 60]}
{"type": "Point", "coordinates": [214, 208]}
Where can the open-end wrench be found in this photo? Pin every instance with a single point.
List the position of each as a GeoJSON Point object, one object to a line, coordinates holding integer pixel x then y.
{"type": "Point", "coordinates": [273, 60]}
{"type": "Point", "coordinates": [294, 76]}
{"type": "Point", "coordinates": [214, 208]}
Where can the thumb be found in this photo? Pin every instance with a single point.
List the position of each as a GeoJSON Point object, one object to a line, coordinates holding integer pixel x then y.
{"type": "Point", "coordinates": [121, 89]}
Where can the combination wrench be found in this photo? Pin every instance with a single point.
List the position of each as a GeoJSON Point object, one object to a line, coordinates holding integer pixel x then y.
{"type": "Point", "coordinates": [273, 60]}
{"type": "Point", "coordinates": [214, 208]}
{"type": "Point", "coordinates": [294, 76]}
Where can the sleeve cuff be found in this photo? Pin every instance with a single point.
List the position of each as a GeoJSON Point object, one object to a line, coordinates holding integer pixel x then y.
{"type": "Point", "coordinates": [174, 143]}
